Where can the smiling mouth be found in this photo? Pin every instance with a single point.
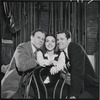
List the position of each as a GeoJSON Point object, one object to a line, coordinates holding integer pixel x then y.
{"type": "Point", "coordinates": [40, 44]}
{"type": "Point", "coordinates": [50, 46]}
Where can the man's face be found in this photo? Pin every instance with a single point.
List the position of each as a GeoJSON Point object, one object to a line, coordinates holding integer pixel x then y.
{"type": "Point", "coordinates": [38, 39]}
{"type": "Point", "coordinates": [62, 41]}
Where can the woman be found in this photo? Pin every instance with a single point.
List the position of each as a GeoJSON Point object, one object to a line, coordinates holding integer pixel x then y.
{"type": "Point", "coordinates": [50, 57]}
{"type": "Point", "coordinates": [53, 63]}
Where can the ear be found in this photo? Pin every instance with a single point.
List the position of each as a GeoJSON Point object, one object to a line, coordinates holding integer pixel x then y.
{"type": "Point", "coordinates": [31, 37]}
{"type": "Point", "coordinates": [69, 40]}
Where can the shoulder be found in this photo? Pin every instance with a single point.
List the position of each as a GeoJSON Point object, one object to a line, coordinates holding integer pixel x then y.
{"type": "Point", "coordinates": [24, 44]}
{"type": "Point", "coordinates": [74, 46]}
{"type": "Point", "coordinates": [75, 49]}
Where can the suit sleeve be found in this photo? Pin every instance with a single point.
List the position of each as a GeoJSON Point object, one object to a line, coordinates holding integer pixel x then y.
{"type": "Point", "coordinates": [24, 60]}
{"type": "Point", "coordinates": [77, 70]}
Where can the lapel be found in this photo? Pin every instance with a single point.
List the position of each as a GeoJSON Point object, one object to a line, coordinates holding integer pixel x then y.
{"type": "Point", "coordinates": [69, 49]}
{"type": "Point", "coordinates": [69, 59]}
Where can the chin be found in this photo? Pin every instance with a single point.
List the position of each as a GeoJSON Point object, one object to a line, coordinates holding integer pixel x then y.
{"type": "Point", "coordinates": [61, 48]}
{"type": "Point", "coordinates": [38, 47]}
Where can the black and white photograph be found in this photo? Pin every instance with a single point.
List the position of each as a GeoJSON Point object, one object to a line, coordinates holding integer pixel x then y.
{"type": "Point", "coordinates": [50, 49]}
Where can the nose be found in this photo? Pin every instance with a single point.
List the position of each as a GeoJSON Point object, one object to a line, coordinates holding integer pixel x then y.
{"type": "Point", "coordinates": [41, 40]}
{"type": "Point", "coordinates": [50, 43]}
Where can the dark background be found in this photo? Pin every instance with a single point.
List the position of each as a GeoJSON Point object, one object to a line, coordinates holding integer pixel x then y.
{"type": "Point", "coordinates": [18, 19]}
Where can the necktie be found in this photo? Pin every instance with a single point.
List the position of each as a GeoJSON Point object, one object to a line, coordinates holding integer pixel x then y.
{"type": "Point", "coordinates": [35, 53]}
{"type": "Point", "coordinates": [67, 61]}
{"type": "Point", "coordinates": [66, 72]}
{"type": "Point", "coordinates": [66, 58]}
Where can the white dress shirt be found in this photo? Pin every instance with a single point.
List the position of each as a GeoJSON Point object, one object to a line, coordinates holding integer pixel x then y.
{"type": "Point", "coordinates": [33, 48]}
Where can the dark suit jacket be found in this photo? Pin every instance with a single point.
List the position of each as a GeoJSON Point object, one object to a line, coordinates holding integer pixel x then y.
{"type": "Point", "coordinates": [23, 59]}
{"type": "Point", "coordinates": [82, 72]}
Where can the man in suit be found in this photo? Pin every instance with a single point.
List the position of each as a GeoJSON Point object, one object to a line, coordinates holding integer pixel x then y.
{"type": "Point", "coordinates": [83, 77]}
{"type": "Point", "coordinates": [23, 60]}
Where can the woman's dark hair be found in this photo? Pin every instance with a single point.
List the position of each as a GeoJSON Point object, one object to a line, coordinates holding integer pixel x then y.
{"type": "Point", "coordinates": [51, 35]}
{"type": "Point", "coordinates": [36, 30]}
{"type": "Point", "coordinates": [66, 31]}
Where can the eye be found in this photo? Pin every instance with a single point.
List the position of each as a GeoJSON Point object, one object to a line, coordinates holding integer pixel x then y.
{"type": "Point", "coordinates": [38, 37]}
{"type": "Point", "coordinates": [43, 39]}
{"type": "Point", "coordinates": [61, 39]}
{"type": "Point", "coordinates": [53, 41]}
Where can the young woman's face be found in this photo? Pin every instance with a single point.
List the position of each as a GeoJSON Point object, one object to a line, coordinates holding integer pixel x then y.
{"type": "Point", "coordinates": [50, 43]}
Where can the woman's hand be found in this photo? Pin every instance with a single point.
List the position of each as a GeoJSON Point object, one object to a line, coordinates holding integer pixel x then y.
{"type": "Point", "coordinates": [45, 63]}
{"type": "Point", "coordinates": [53, 70]}
{"type": "Point", "coordinates": [53, 62]}
{"type": "Point", "coordinates": [59, 65]}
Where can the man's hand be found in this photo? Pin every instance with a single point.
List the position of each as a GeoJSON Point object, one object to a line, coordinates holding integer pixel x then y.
{"type": "Point", "coordinates": [66, 77]}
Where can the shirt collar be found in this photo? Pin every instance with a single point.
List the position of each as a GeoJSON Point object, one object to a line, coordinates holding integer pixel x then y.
{"type": "Point", "coordinates": [33, 48]}
{"type": "Point", "coordinates": [65, 50]}
{"type": "Point", "coordinates": [47, 55]}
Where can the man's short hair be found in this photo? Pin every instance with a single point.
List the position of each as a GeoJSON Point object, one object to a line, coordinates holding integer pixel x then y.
{"type": "Point", "coordinates": [36, 30]}
{"type": "Point", "coordinates": [66, 31]}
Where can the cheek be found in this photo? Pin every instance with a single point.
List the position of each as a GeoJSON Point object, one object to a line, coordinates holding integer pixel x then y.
{"type": "Point", "coordinates": [65, 44]}
{"type": "Point", "coordinates": [54, 45]}
{"type": "Point", "coordinates": [33, 41]}
{"type": "Point", "coordinates": [43, 42]}
{"type": "Point", "coordinates": [46, 45]}
{"type": "Point", "coordinates": [36, 40]}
